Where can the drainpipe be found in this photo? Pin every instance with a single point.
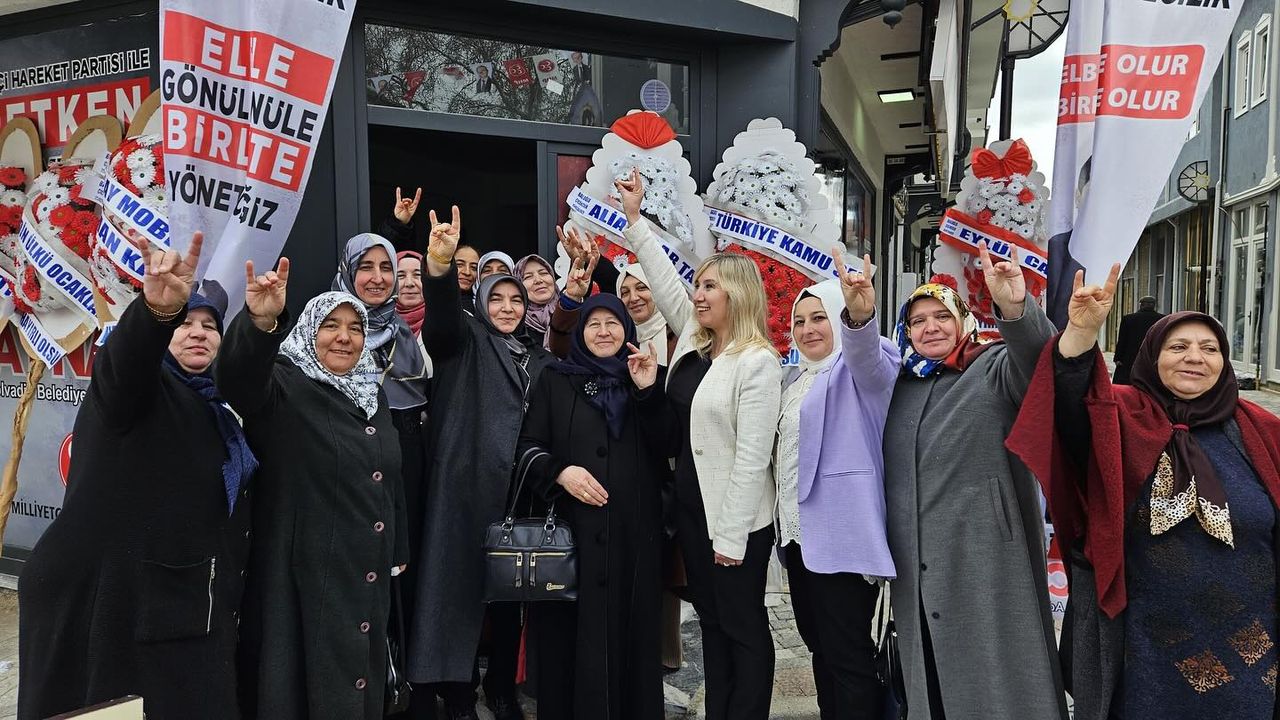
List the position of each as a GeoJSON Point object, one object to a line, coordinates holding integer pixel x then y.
{"type": "Point", "coordinates": [963, 139]}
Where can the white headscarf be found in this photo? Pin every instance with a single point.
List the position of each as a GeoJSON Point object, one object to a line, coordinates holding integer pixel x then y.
{"type": "Point", "coordinates": [360, 383]}
{"type": "Point", "coordinates": [653, 330]}
{"type": "Point", "coordinates": [832, 299]}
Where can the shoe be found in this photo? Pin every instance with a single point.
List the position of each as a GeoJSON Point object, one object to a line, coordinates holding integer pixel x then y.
{"type": "Point", "coordinates": [505, 708]}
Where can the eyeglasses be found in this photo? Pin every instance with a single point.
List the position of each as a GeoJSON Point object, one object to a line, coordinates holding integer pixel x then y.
{"type": "Point", "coordinates": [942, 318]}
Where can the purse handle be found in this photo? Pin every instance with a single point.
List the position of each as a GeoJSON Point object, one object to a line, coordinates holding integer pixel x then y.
{"type": "Point", "coordinates": [509, 519]}
{"type": "Point", "coordinates": [883, 613]}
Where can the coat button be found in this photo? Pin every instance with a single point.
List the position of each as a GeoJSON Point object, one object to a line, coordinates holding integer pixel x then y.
{"type": "Point", "coordinates": [936, 616]}
{"type": "Point", "coordinates": [923, 567]}
{"type": "Point", "coordinates": [697, 451]}
{"type": "Point", "coordinates": [377, 476]}
{"type": "Point", "coordinates": [247, 533]}
{"type": "Point", "coordinates": [371, 576]}
{"type": "Point", "coordinates": [601, 451]}
{"type": "Point", "coordinates": [364, 627]}
{"type": "Point", "coordinates": [378, 526]}
{"type": "Point", "coordinates": [370, 430]}
{"type": "Point", "coordinates": [360, 684]}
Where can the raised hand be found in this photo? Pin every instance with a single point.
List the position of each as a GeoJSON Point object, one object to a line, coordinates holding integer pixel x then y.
{"type": "Point", "coordinates": [1005, 281]}
{"type": "Point", "coordinates": [264, 295]}
{"type": "Point", "coordinates": [859, 293]}
{"type": "Point", "coordinates": [582, 486]}
{"type": "Point", "coordinates": [443, 242]}
{"type": "Point", "coordinates": [169, 276]}
{"type": "Point", "coordinates": [1086, 313]}
{"type": "Point", "coordinates": [632, 192]}
{"type": "Point", "coordinates": [583, 256]}
{"type": "Point", "coordinates": [643, 366]}
{"type": "Point", "coordinates": [404, 207]}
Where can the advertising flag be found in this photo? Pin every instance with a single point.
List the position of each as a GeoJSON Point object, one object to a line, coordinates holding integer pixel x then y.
{"type": "Point", "coordinates": [517, 72]}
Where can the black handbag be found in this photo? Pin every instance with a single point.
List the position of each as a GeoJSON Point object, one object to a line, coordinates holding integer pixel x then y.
{"type": "Point", "coordinates": [529, 559]}
{"type": "Point", "coordinates": [888, 661]}
{"type": "Point", "coordinates": [398, 690]}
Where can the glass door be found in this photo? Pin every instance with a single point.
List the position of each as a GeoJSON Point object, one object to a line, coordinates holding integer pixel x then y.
{"type": "Point", "coordinates": [1246, 282]}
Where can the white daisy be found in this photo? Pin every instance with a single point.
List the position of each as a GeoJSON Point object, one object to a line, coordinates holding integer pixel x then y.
{"type": "Point", "coordinates": [59, 195]}
{"type": "Point", "coordinates": [139, 159]}
{"type": "Point", "coordinates": [13, 197]}
{"type": "Point", "coordinates": [45, 182]}
{"type": "Point", "coordinates": [144, 176]}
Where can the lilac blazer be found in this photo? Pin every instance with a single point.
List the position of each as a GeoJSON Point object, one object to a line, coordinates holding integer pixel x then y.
{"type": "Point", "coordinates": [841, 463]}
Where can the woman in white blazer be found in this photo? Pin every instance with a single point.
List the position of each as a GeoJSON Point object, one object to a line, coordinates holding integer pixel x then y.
{"type": "Point", "coordinates": [724, 389]}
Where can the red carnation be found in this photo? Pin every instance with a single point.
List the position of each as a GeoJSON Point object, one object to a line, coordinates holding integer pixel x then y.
{"type": "Point", "coordinates": [85, 222]}
{"type": "Point", "coordinates": [13, 178]}
{"type": "Point", "coordinates": [67, 174]}
{"type": "Point", "coordinates": [1026, 196]}
{"type": "Point", "coordinates": [61, 215]}
{"type": "Point", "coordinates": [30, 284]}
{"type": "Point", "coordinates": [76, 242]}
{"type": "Point", "coordinates": [984, 217]}
{"type": "Point", "coordinates": [945, 279]}
{"type": "Point", "coordinates": [11, 215]}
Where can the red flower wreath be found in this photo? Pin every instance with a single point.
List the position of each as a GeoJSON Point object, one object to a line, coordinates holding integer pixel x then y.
{"type": "Point", "coordinates": [782, 283]}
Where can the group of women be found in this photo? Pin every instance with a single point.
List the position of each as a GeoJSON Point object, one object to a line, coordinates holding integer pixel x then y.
{"type": "Point", "coordinates": [238, 538]}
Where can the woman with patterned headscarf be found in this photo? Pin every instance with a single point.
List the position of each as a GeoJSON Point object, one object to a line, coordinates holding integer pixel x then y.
{"type": "Point", "coordinates": [329, 524]}
{"type": "Point", "coordinates": [966, 530]}
{"type": "Point", "coordinates": [1164, 496]}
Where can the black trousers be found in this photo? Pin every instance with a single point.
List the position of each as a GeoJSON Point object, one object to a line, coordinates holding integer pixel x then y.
{"type": "Point", "coordinates": [834, 615]}
{"type": "Point", "coordinates": [737, 645]}
{"type": "Point", "coordinates": [504, 657]}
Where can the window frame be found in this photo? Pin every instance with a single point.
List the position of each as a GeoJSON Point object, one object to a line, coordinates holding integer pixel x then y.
{"type": "Point", "coordinates": [1241, 75]}
{"type": "Point", "coordinates": [1260, 62]}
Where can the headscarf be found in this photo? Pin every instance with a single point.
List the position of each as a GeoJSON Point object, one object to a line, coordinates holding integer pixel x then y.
{"type": "Point", "coordinates": [536, 315]}
{"type": "Point", "coordinates": [412, 316]}
{"type": "Point", "coordinates": [240, 464]}
{"type": "Point", "coordinates": [829, 294]}
{"type": "Point", "coordinates": [653, 330]}
{"type": "Point", "coordinates": [390, 340]}
{"type": "Point", "coordinates": [360, 383]}
{"type": "Point", "coordinates": [967, 348]}
{"type": "Point", "coordinates": [493, 255]}
{"type": "Point", "coordinates": [609, 375]}
{"type": "Point", "coordinates": [516, 341]}
{"type": "Point", "coordinates": [1188, 467]}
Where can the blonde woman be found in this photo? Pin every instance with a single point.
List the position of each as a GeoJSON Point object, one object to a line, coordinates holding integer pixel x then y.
{"type": "Point", "coordinates": [724, 387]}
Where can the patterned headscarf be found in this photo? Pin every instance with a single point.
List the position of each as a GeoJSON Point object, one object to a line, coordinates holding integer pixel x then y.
{"type": "Point", "coordinates": [389, 338]}
{"type": "Point", "coordinates": [360, 383]}
{"type": "Point", "coordinates": [919, 365]}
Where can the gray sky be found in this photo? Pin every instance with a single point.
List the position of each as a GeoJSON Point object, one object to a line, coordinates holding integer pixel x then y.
{"type": "Point", "coordinates": [1035, 103]}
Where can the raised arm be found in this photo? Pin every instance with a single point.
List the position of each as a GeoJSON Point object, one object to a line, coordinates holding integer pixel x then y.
{"type": "Point", "coordinates": [245, 369]}
{"type": "Point", "coordinates": [871, 360]}
{"type": "Point", "coordinates": [759, 400]}
{"type": "Point", "coordinates": [583, 255]}
{"type": "Point", "coordinates": [399, 227]}
{"type": "Point", "coordinates": [443, 331]}
{"type": "Point", "coordinates": [669, 293]}
{"type": "Point", "coordinates": [1023, 325]}
{"type": "Point", "coordinates": [127, 368]}
{"type": "Point", "coordinates": [1076, 356]}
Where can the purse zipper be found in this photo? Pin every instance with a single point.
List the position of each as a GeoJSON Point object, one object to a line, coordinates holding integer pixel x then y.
{"type": "Point", "coordinates": [519, 563]}
{"type": "Point", "coordinates": [213, 565]}
{"type": "Point", "coordinates": [533, 562]}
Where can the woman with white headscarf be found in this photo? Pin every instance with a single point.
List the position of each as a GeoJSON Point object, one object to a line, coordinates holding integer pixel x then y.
{"type": "Point", "coordinates": [830, 474]}
{"type": "Point", "coordinates": [329, 520]}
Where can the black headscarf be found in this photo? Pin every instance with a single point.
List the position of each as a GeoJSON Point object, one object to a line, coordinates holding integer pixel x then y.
{"type": "Point", "coordinates": [610, 376]}
{"type": "Point", "coordinates": [240, 464]}
{"type": "Point", "coordinates": [517, 341]}
{"type": "Point", "coordinates": [1214, 407]}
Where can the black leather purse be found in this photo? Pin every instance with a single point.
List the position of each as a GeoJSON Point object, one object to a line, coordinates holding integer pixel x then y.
{"type": "Point", "coordinates": [530, 559]}
{"type": "Point", "coordinates": [888, 661]}
{"type": "Point", "coordinates": [398, 690]}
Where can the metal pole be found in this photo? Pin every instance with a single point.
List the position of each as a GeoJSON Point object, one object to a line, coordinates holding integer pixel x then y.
{"type": "Point", "coordinates": [1006, 88]}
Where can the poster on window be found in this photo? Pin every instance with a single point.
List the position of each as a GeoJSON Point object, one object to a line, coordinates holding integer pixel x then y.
{"type": "Point", "coordinates": [246, 87]}
{"type": "Point", "coordinates": [1133, 77]}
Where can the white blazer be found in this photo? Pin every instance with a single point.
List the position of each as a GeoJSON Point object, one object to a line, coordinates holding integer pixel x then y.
{"type": "Point", "coordinates": [734, 416]}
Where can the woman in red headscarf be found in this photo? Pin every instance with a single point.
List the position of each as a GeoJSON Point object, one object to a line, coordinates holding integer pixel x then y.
{"type": "Point", "coordinates": [1164, 494]}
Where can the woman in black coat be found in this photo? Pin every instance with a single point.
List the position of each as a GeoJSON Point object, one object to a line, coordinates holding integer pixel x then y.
{"type": "Point", "coordinates": [135, 587]}
{"type": "Point", "coordinates": [329, 523]}
{"type": "Point", "coordinates": [484, 366]}
{"type": "Point", "coordinates": [593, 444]}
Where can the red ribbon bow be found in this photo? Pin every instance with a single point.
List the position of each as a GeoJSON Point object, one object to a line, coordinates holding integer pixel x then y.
{"type": "Point", "coordinates": [1016, 161]}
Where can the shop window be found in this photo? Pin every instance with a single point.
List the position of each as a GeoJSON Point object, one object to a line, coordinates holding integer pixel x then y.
{"type": "Point", "coordinates": [1261, 60]}
{"type": "Point", "coordinates": [468, 75]}
{"type": "Point", "coordinates": [1242, 74]}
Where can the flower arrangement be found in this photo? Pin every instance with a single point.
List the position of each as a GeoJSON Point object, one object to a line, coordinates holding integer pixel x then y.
{"type": "Point", "coordinates": [12, 199]}
{"type": "Point", "coordinates": [782, 283]}
{"type": "Point", "coordinates": [771, 185]}
{"type": "Point", "coordinates": [661, 194]}
{"type": "Point", "coordinates": [138, 165]}
{"type": "Point", "coordinates": [61, 206]}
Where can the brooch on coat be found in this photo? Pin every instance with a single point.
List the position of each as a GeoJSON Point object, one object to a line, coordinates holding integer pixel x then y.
{"type": "Point", "coordinates": [591, 388]}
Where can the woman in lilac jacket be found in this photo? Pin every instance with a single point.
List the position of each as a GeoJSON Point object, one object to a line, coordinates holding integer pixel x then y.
{"type": "Point", "coordinates": [830, 475]}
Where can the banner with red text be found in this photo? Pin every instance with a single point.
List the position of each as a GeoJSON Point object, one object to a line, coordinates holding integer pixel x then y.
{"type": "Point", "coordinates": [1133, 77]}
{"type": "Point", "coordinates": [246, 86]}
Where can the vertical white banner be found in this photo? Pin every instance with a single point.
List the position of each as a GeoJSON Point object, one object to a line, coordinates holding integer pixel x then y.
{"type": "Point", "coordinates": [246, 86]}
{"type": "Point", "coordinates": [1133, 77]}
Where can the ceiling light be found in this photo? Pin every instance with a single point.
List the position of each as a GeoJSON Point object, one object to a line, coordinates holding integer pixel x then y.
{"type": "Point", "coordinates": [896, 96]}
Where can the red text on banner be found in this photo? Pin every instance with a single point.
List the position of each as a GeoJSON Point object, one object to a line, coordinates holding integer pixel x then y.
{"type": "Point", "coordinates": [1150, 83]}
{"type": "Point", "coordinates": [59, 112]}
{"type": "Point", "coordinates": [262, 155]}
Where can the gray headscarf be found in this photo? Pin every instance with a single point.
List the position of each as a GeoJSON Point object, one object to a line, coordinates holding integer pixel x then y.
{"type": "Point", "coordinates": [360, 383]}
{"type": "Point", "coordinates": [518, 340]}
{"type": "Point", "coordinates": [389, 337]}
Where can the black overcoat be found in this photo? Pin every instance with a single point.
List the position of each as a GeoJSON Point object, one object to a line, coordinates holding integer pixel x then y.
{"type": "Point", "coordinates": [328, 527]}
{"type": "Point", "coordinates": [476, 410]}
{"type": "Point", "coordinates": [605, 649]}
{"type": "Point", "coordinates": [134, 588]}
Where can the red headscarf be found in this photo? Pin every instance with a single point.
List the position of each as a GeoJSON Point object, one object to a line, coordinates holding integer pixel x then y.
{"type": "Point", "coordinates": [1131, 427]}
{"type": "Point", "coordinates": [412, 316]}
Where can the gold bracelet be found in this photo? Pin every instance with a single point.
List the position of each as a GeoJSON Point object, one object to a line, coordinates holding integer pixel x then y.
{"type": "Point", "coordinates": [438, 259]}
{"type": "Point", "coordinates": [160, 314]}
